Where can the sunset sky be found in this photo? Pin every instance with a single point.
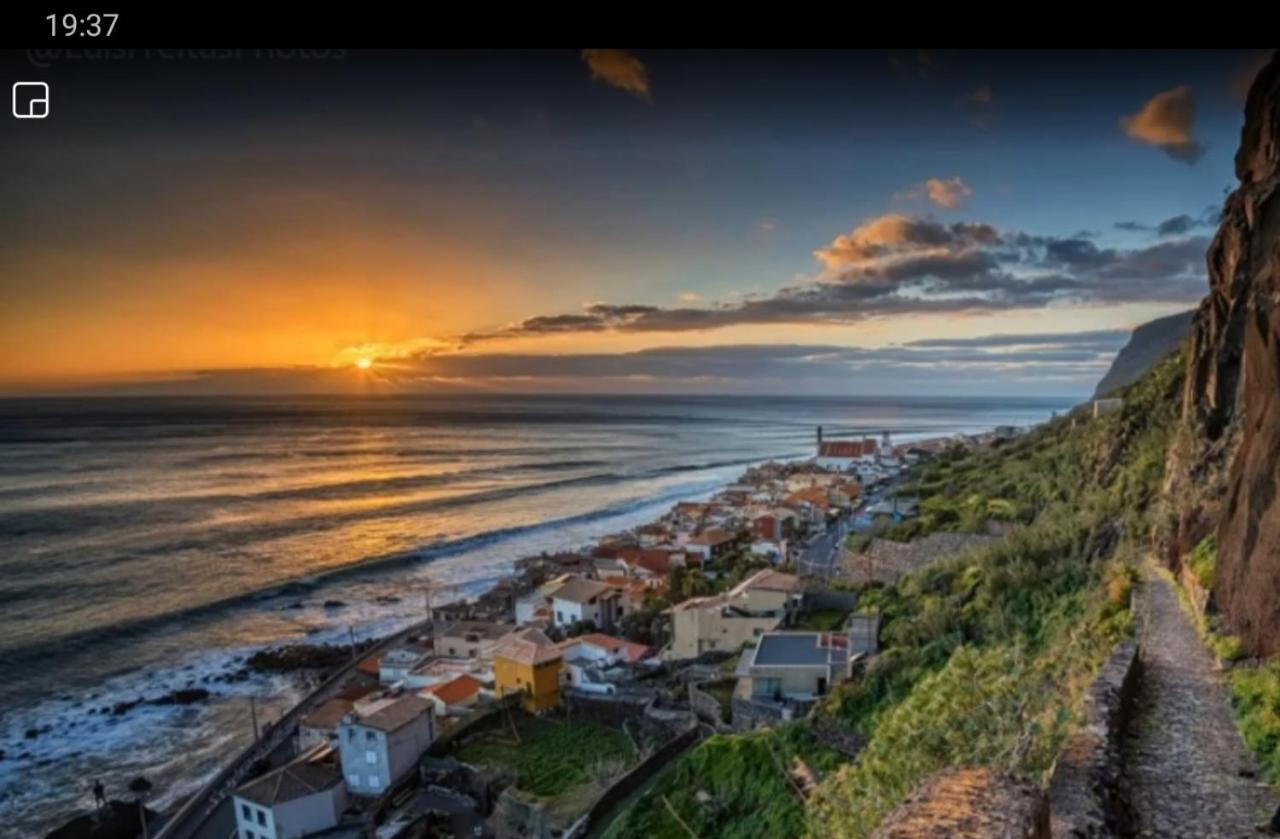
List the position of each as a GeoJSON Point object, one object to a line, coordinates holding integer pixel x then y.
{"type": "Point", "coordinates": [719, 222]}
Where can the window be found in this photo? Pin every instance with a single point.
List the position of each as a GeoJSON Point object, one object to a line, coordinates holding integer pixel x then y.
{"type": "Point", "coordinates": [353, 780]}
{"type": "Point", "coordinates": [452, 651]}
{"type": "Point", "coordinates": [248, 834]}
{"type": "Point", "coordinates": [246, 812]}
{"type": "Point", "coordinates": [373, 782]}
{"type": "Point", "coordinates": [559, 617]}
{"type": "Point", "coordinates": [369, 737]}
{"type": "Point", "coordinates": [351, 734]}
{"type": "Point", "coordinates": [371, 756]}
{"type": "Point", "coordinates": [262, 818]}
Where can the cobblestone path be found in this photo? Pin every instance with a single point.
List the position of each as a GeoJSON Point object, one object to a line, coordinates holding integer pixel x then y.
{"type": "Point", "coordinates": [1190, 774]}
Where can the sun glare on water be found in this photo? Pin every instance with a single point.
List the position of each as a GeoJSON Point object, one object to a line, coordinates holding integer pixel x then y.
{"type": "Point", "coordinates": [364, 363]}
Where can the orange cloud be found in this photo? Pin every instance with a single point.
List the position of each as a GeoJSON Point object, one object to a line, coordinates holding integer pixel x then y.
{"type": "Point", "coordinates": [894, 235]}
{"type": "Point", "coordinates": [619, 68]}
{"type": "Point", "coordinates": [1167, 121]}
{"type": "Point", "coordinates": [948, 193]}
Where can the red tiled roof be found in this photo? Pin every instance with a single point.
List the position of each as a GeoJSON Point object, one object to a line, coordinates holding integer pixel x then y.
{"type": "Point", "coordinates": [653, 560]}
{"type": "Point", "coordinates": [369, 666]}
{"type": "Point", "coordinates": [713, 537]}
{"type": "Point", "coordinates": [453, 692]}
{"type": "Point", "coordinates": [848, 448]}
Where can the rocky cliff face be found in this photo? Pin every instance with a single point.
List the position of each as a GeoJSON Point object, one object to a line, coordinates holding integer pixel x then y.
{"type": "Point", "coordinates": [1149, 343]}
{"type": "Point", "coordinates": [1225, 471]}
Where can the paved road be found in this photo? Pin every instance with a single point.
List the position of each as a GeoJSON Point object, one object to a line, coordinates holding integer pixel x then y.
{"type": "Point", "coordinates": [819, 557]}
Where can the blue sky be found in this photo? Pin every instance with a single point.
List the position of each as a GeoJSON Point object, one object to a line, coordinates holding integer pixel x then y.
{"type": "Point", "coordinates": [249, 213]}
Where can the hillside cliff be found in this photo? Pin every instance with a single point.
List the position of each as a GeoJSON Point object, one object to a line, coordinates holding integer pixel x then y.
{"type": "Point", "coordinates": [1224, 475]}
{"type": "Point", "coordinates": [1149, 343]}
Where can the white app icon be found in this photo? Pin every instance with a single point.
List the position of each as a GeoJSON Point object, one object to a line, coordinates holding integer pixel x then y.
{"type": "Point", "coordinates": [30, 100]}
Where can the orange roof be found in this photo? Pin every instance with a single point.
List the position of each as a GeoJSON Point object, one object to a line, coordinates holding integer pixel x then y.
{"type": "Point", "coordinates": [847, 448]}
{"type": "Point", "coordinates": [712, 536]}
{"type": "Point", "coordinates": [653, 560]}
{"type": "Point", "coordinates": [369, 666]}
{"type": "Point", "coordinates": [455, 691]}
{"type": "Point", "coordinates": [817, 496]}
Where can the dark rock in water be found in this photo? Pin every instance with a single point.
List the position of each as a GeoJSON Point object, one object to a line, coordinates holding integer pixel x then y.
{"type": "Point", "coordinates": [386, 599]}
{"type": "Point", "coordinates": [334, 604]}
{"type": "Point", "coordinates": [125, 707]}
{"type": "Point", "coordinates": [140, 785]}
{"type": "Point", "coordinates": [299, 657]}
{"type": "Point", "coordinates": [116, 820]}
{"type": "Point", "coordinates": [1, 754]}
{"type": "Point", "coordinates": [186, 696]}
{"type": "Point", "coordinates": [32, 733]}
{"type": "Point", "coordinates": [297, 604]}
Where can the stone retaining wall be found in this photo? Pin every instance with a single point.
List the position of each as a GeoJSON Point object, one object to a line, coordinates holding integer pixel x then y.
{"type": "Point", "coordinates": [604, 809]}
{"type": "Point", "coordinates": [1085, 793]}
{"type": "Point", "coordinates": [706, 705]}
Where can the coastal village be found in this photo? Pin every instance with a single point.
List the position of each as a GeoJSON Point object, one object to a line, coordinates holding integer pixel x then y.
{"type": "Point", "coordinates": [539, 707]}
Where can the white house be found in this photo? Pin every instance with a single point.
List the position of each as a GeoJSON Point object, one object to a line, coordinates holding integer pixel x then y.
{"type": "Point", "coordinates": [298, 799]}
{"type": "Point", "coordinates": [399, 662]}
{"type": "Point", "coordinates": [530, 606]}
{"type": "Point", "coordinates": [580, 599]}
{"type": "Point", "coordinates": [471, 639]}
{"type": "Point", "coordinates": [382, 743]}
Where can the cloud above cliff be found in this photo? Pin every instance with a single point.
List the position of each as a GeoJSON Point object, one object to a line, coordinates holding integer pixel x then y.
{"type": "Point", "coordinates": [1167, 121]}
{"type": "Point", "coordinates": [896, 265]}
{"type": "Point", "coordinates": [620, 69]}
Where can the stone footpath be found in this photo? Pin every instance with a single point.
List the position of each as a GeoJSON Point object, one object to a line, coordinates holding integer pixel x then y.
{"type": "Point", "coordinates": [1189, 772]}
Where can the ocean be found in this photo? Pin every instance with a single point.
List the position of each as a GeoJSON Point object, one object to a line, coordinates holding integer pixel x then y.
{"type": "Point", "coordinates": [151, 544]}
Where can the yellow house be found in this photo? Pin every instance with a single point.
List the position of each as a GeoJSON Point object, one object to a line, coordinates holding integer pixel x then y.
{"type": "Point", "coordinates": [528, 662]}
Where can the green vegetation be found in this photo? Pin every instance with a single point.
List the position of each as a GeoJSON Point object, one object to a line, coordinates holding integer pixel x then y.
{"type": "Point", "coordinates": [1255, 686]}
{"type": "Point", "coordinates": [822, 620]}
{"type": "Point", "coordinates": [731, 786]}
{"type": "Point", "coordinates": [985, 655]}
{"type": "Point", "coordinates": [1203, 561]}
{"type": "Point", "coordinates": [1003, 705]}
{"type": "Point", "coordinates": [551, 757]}
{"type": "Point", "coordinates": [1256, 692]}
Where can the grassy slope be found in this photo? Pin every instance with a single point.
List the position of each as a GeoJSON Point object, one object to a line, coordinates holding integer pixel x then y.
{"type": "Point", "coordinates": [551, 757]}
{"type": "Point", "coordinates": [984, 655]}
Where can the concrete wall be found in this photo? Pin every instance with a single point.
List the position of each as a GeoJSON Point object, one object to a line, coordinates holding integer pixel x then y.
{"type": "Point", "coordinates": [793, 679]}
{"type": "Point", "coordinates": [311, 814]}
{"type": "Point", "coordinates": [691, 626]}
{"type": "Point", "coordinates": [608, 805]}
{"type": "Point", "coordinates": [706, 705]}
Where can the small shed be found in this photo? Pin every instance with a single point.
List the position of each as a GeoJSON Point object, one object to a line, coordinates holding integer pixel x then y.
{"type": "Point", "coordinates": [864, 634]}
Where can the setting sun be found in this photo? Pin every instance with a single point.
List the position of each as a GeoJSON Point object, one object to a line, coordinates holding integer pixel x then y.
{"type": "Point", "coordinates": [364, 363]}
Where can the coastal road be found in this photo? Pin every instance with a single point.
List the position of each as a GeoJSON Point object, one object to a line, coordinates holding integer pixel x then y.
{"type": "Point", "coordinates": [819, 557]}
{"type": "Point", "coordinates": [208, 814]}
